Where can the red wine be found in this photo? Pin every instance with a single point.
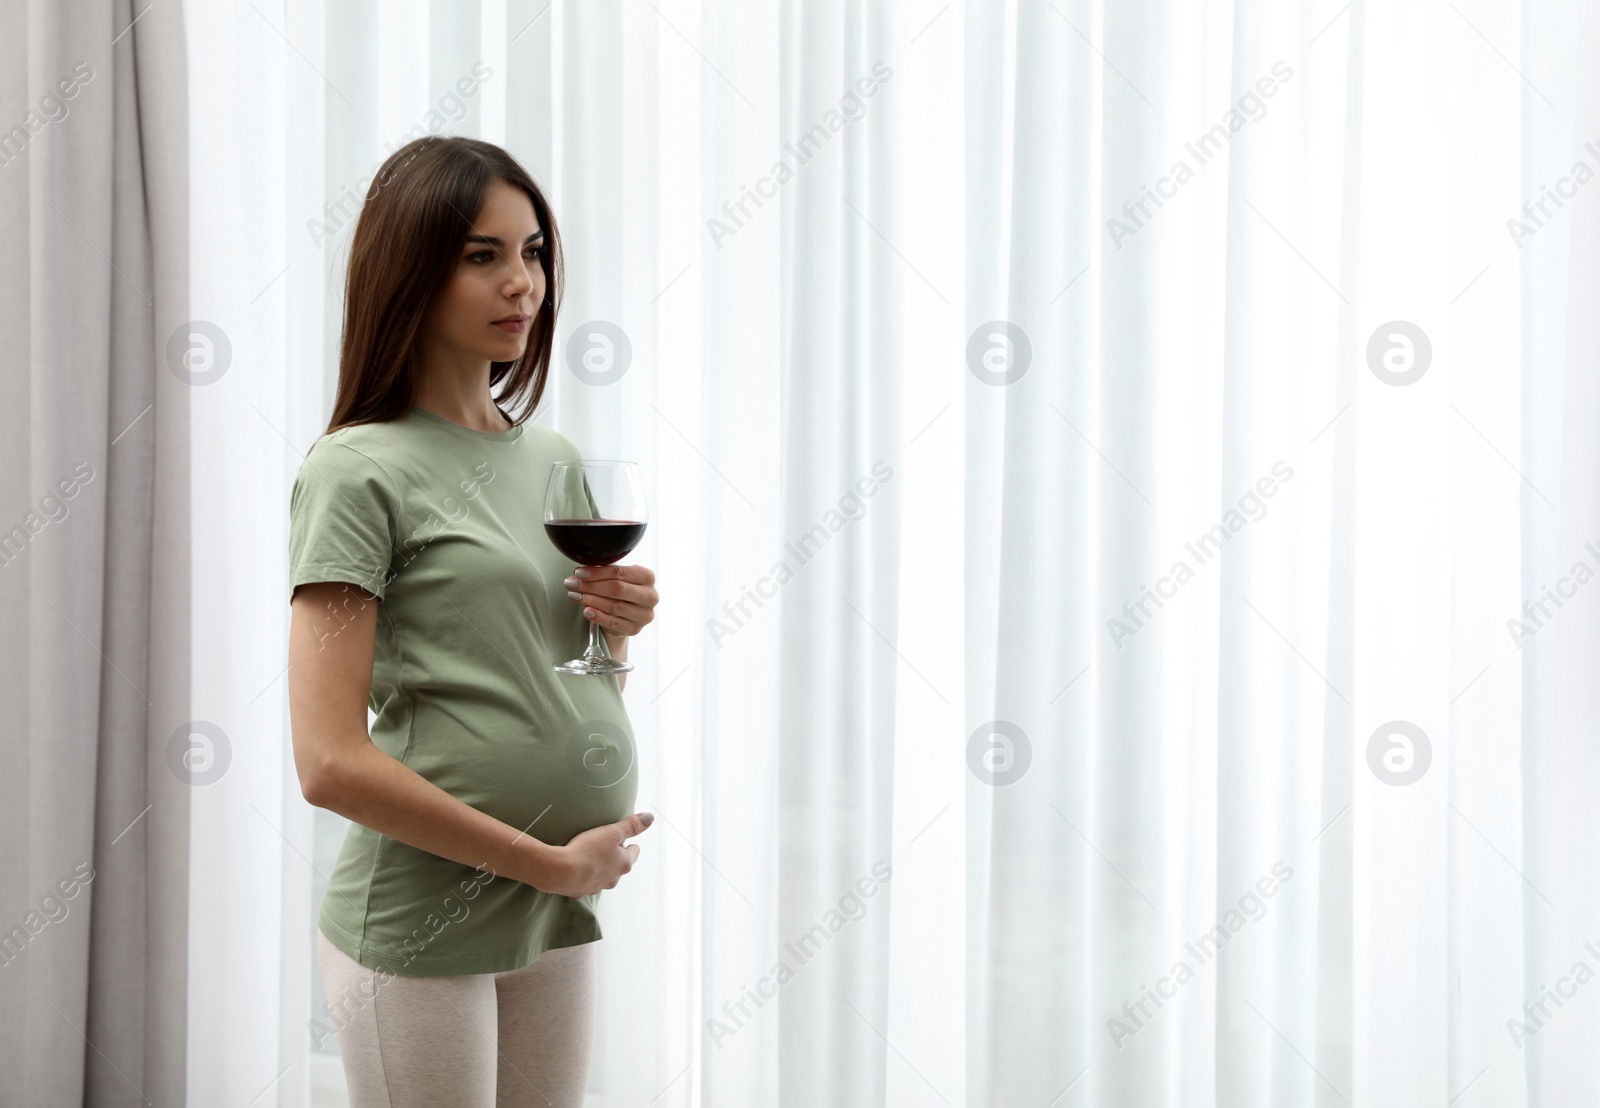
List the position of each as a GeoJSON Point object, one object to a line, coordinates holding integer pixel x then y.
{"type": "Point", "coordinates": [594, 542]}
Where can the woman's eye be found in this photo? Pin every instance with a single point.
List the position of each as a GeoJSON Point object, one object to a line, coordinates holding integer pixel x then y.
{"type": "Point", "coordinates": [484, 257]}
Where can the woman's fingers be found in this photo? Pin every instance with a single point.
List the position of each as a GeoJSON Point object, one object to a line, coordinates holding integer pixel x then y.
{"type": "Point", "coordinates": [635, 584]}
{"type": "Point", "coordinates": [632, 575]}
{"type": "Point", "coordinates": [615, 615]}
{"type": "Point", "coordinates": [620, 617]}
{"type": "Point", "coordinates": [621, 599]}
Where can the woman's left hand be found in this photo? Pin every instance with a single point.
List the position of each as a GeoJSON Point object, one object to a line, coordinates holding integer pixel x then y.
{"type": "Point", "coordinates": [621, 599]}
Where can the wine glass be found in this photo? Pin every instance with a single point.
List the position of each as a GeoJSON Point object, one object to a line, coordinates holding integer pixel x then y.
{"type": "Point", "coordinates": [594, 514]}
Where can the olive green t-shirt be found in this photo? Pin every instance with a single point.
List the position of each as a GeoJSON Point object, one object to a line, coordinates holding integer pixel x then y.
{"type": "Point", "coordinates": [445, 525]}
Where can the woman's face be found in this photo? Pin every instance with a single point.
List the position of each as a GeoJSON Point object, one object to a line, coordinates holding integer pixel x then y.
{"type": "Point", "coordinates": [498, 276]}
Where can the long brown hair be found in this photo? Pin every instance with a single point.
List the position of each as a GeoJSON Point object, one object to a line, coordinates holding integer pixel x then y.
{"type": "Point", "coordinates": [408, 238]}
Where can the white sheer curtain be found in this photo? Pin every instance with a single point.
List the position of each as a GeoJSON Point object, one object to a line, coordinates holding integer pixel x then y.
{"type": "Point", "coordinates": [1046, 547]}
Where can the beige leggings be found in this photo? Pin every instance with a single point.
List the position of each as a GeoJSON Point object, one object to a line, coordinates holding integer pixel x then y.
{"type": "Point", "coordinates": [478, 1040]}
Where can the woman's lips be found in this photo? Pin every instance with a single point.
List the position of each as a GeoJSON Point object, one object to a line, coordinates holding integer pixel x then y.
{"type": "Point", "coordinates": [516, 325]}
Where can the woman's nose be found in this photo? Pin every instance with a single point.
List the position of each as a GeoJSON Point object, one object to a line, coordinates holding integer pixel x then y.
{"type": "Point", "coordinates": [521, 281]}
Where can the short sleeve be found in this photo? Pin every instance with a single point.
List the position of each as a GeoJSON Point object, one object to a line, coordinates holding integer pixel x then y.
{"type": "Point", "coordinates": [343, 520]}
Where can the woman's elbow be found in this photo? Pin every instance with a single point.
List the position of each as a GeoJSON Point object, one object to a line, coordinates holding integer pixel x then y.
{"type": "Point", "coordinates": [318, 775]}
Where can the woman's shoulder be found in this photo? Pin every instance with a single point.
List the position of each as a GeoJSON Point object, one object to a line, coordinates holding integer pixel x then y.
{"type": "Point", "coordinates": [384, 444]}
{"type": "Point", "coordinates": [357, 453]}
{"type": "Point", "coordinates": [376, 434]}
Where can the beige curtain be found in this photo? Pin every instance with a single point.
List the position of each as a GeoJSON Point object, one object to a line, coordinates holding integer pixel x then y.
{"type": "Point", "coordinates": [94, 574]}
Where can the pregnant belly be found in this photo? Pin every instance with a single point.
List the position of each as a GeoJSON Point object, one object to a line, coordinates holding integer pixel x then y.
{"type": "Point", "coordinates": [552, 786]}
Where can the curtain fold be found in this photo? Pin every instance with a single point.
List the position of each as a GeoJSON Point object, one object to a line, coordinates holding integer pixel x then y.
{"type": "Point", "coordinates": [94, 559]}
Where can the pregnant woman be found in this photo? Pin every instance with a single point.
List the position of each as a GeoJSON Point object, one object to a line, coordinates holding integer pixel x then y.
{"type": "Point", "coordinates": [491, 801]}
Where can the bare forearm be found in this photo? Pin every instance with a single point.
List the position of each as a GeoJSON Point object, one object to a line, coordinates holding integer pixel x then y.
{"type": "Point", "coordinates": [369, 787]}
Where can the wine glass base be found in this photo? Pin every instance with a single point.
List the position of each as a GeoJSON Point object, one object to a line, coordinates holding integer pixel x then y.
{"type": "Point", "coordinates": [594, 667]}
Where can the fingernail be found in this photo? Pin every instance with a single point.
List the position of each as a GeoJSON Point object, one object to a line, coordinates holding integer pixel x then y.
{"type": "Point", "coordinates": [580, 572]}
{"type": "Point", "coordinates": [574, 595]}
{"type": "Point", "coordinates": [571, 582]}
{"type": "Point", "coordinates": [647, 818]}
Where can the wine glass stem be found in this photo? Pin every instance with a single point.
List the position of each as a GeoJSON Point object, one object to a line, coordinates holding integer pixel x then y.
{"type": "Point", "coordinates": [597, 644]}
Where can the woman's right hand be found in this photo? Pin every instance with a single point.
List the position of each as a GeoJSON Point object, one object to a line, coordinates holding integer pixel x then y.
{"type": "Point", "coordinates": [597, 858]}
